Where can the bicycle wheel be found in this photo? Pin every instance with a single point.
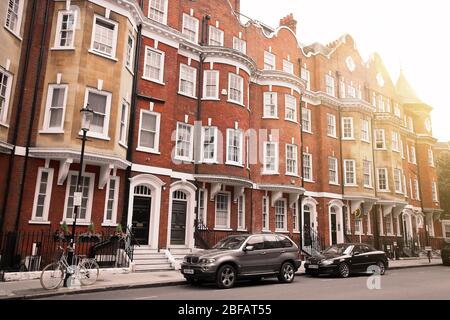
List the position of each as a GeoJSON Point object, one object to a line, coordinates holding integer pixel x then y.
{"type": "Point", "coordinates": [52, 276]}
{"type": "Point", "coordinates": [89, 271]}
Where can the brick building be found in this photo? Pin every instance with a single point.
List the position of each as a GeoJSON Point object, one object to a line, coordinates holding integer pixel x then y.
{"type": "Point", "coordinates": [207, 123]}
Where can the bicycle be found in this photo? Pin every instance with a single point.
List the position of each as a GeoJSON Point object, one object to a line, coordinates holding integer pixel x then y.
{"type": "Point", "coordinates": [86, 270]}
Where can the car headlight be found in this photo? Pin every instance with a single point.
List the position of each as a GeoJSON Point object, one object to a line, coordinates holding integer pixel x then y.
{"type": "Point", "coordinates": [327, 262]}
{"type": "Point", "coordinates": [206, 261]}
{"type": "Point", "coordinates": [185, 259]}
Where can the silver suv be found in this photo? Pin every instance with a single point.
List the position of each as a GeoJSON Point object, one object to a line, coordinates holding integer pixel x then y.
{"type": "Point", "coordinates": [244, 256]}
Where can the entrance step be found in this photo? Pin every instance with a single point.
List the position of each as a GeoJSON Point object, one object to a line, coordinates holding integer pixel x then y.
{"type": "Point", "coordinates": [147, 259]}
{"type": "Point", "coordinates": [154, 267]}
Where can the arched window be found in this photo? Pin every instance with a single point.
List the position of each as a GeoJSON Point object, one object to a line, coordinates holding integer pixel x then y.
{"type": "Point", "coordinates": [179, 195]}
{"type": "Point", "coordinates": [142, 191]}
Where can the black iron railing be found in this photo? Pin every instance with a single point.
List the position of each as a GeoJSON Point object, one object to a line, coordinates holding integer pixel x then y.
{"type": "Point", "coordinates": [313, 242]}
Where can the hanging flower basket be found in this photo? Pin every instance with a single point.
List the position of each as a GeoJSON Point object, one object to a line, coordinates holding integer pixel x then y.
{"type": "Point", "coordinates": [89, 237]}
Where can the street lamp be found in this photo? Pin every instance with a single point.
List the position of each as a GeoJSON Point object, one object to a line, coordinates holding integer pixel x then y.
{"type": "Point", "coordinates": [86, 119]}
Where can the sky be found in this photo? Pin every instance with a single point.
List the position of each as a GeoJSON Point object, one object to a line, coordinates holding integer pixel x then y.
{"type": "Point", "coordinates": [413, 35]}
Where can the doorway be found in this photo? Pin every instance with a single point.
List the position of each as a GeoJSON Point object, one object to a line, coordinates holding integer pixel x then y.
{"type": "Point", "coordinates": [141, 219]}
{"type": "Point", "coordinates": [333, 225]}
{"type": "Point", "coordinates": [178, 222]}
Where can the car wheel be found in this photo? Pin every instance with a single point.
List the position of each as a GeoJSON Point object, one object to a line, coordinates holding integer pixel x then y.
{"type": "Point", "coordinates": [343, 270]}
{"type": "Point", "coordinates": [382, 267]}
{"type": "Point", "coordinates": [287, 273]}
{"type": "Point", "coordinates": [226, 277]}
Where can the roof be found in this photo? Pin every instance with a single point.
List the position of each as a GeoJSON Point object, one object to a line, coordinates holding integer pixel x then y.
{"type": "Point", "coordinates": [405, 91]}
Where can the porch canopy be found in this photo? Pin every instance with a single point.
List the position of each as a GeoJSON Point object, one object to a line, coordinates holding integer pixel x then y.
{"type": "Point", "coordinates": [367, 203]}
{"type": "Point", "coordinates": [277, 191]}
{"type": "Point", "coordinates": [218, 182]}
{"type": "Point", "coordinates": [394, 206]}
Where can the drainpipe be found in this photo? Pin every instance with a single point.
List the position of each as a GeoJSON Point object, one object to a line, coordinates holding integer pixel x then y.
{"type": "Point", "coordinates": [300, 200]}
{"type": "Point", "coordinates": [341, 162]}
{"type": "Point", "coordinates": [131, 127]}
{"type": "Point", "coordinates": [375, 179]}
{"type": "Point", "coordinates": [427, 233]}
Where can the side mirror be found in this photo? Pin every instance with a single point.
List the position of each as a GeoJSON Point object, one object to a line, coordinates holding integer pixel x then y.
{"type": "Point", "coordinates": [355, 253]}
{"type": "Point", "coordinates": [248, 248]}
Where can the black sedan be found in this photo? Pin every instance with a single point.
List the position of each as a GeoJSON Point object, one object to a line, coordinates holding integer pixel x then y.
{"type": "Point", "coordinates": [445, 254]}
{"type": "Point", "coordinates": [346, 258]}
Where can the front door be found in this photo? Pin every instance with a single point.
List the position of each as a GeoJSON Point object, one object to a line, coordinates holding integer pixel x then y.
{"type": "Point", "coordinates": [141, 219]}
{"type": "Point", "coordinates": [333, 228]}
{"type": "Point", "coordinates": [178, 227]}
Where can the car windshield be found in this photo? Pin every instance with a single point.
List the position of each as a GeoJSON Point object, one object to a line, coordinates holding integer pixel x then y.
{"type": "Point", "coordinates": [339, 249]}
{"type": "Point", "coordinates": [230, 243]}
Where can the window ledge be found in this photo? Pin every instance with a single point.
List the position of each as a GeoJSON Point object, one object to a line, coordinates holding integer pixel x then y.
{"type": "Point", "coordinates": [236, 102]}
{"type": "Point", "coordinates": [222, 229]}
{"type": "Point", "coordinates": [330, 136]}
{"type": "Point", "coordinates": [234, 164]}
{"type": "Point", "coordinates": [46, 131]}
{"type": "Point", "coordinates": [380, 149]}
{"type": "Point", "coordinates": [348, 139]}
{"type": "Point", "coordinates": [123, 145]}
{"type": "Point", "coordinates": [147, 150]}
{"type": "Point", "coordinates": [294, 175]}
{"type": "Point", "coordinates": [281, 231]}
{"type": "Point", "coordinates": [186, 95]}
{"type": "Point", "coordinates": [14, 33]}
{"type": "Point", "coordinates": [290, 120]}
{"type": "Point", "coordinates": [365, 141]}
{"type": "Point", "coordinates": [184, 160]}
{"type": "Point", "coordinates": [129, 70]}
{"type": "Point", "coordinates": [95, 135]}
{"type": "Point", "coordinates": [266, 230]}
{"type": "Point", "coordinates": [62, 49]}
{"type": "Point", "coordinates": [102, 55]}
{"type": "Point", "coordinates": [210, 99]}
{"type": "Point", "coordinates": [38, 222]}
{"type": "Point", "coordinates": [296, 232]}
{"type": "Point", "coordinates": [350, 185]}
{"type": "Point", "coordinates": [242, 230]}
{"type": "Point", "coordinates": [368, 187]}
{"type": "Point", "coordinates": [334, 183]}
{"type": "Point", "coordinates": [155, 81]}
{"type": "Point", "coordinates": [4, 124]}
{"type": "Point", "coordinates": [270, 173]}
{"type": "Point", "coordinates": [69, 222]}
{"type": "Point", "coordinates": [270, 118]}
{"type": "Point", "coordinates": [310, 181]}
{"type": "Point", "coordinates": [109, 224]}
{"type": "Point", "coordinates": [384, 191]}
{"type": "Point", "coordinates": [209, 162]}
{"type": "Point", "coordinates": [305, 131]}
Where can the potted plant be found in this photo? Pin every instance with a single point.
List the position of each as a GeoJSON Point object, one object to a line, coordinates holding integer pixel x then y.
{"type": "Point", "coordinates": [90, 235]}
{"type": "Point", "coordinates": [62, 234]}
{"type": "Point", "coordinates": [118, 234]}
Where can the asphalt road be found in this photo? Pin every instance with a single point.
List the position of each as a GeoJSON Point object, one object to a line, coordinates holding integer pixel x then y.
{"type": "Point", "coordinates": [410, 284]}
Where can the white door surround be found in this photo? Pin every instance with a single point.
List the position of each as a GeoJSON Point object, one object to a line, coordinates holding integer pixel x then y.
{"type": "Point", "coordinates": [337, 205]}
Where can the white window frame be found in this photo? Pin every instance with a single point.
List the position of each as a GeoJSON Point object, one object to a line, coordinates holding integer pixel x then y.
{"type": "Point", "coordinates": [240, 81]}
{"type": "Point", "coordinates": [228, 194]}
{"type": "Point", "coordinates": [353, 171]}
{"type": "Point", "coordinates": [342, 90]}
{"type": "Point", "coordinates": [294, 160]}
{"type": "Point", "coordinates": [164, 19]}
{"type": "Point", "coordinates": [202, 147]}
{"type": "Point", "coordinates": [288, 66]}
{"type": "Point", "coordinates": [430, 157]}
{"type": "Point", "coordinates": [331, 123]}
{"type": "Point", "coordinates": [213, 30]}
{"type": "Point", "coordinates": [57, 44]}
{"type": "Point", "coordinates": [215, 96]}
{"type": "Point", "coordinates": [413, 155]}
{"type": "Point", "coordinates": [18, 26]}
{"type": "Point", "coordinates": [381, 106]}
{"type": "Point", "coordinates": [191, 143]}
{"type": "Point", "coordinates": [383, 140]}
{"type": "Point", "coordinates": [103, 135]}
{"type": "Point", "coordinates": [329, 85]}
{"type": "Point", "coordinates": [193, 71]}
{"type": "Point", "coordinates": [306, 75]}
{"type": "Point", "coordinates": [290, 106]}
{"type": "Point", "coordinates": [48, 194]}
{"type": "Point", "coordinates": [335, 170]}
{"type": "Point", "coordinates": [46, 125]}
{"type": "Point", "coordinates": [87, 219]}
{"type": "Point", "coordinates": [402, 149]}
{"type": "Point", "coordinates": [397, 111]}
{"type": "Point", "coordinates": [306, 120]}
{"type": "Point", "coordinates": [5, 108]}
{"type": "Point", "coordinates": [155, 149]}
{"type": "Point", "coordinates": [385, 170]}
{"type": "Point", "coordinates": [275, 156]}
{"type": "Point", "coordinates": [129, 53]}
{"type": "Point", "coordinates": [398, 178]}
{"type": "Point", "coordinates": [295, 218]}
{"type": "Point", "coordinates": [416, 188]}
{"type": "Point", "coordinates": [265, 208]}
{"type": "Point", "coordinates": [113, 220]}
{"type": "Point", "coordinates": [434, 192]}
{"type": "Point", "coordinates": [311, 177]}
{"type": "Point", "coordinates": [240, 45]}
{"type": "Point", "coordinates": [123, 123]}
{"type": "Point", "coordinates": [269, 104]}
{"type": "Point", "coordinates": [395, 141]}
{"type": "Point", "coordinates": [370, 184]}
{"type": "Point", "coordinates": [114, 44]}
{"type": "Point", "coordinates": [269, 61]}
{"type": "Point", "coordinates": [203, 205]}
{"type": "Point", "coordinates": [284, 229]}
{"type": "Point", "coordinates": [187, 17]}
{"type": "Point", "coordinates": [365, 130]}
{"type": "Point", "coordinates": [344, 135]}
{"type": "Point", "coordinates": [359, 229]}
{"type": "Point", "coordinates": [445, 224]}
{"type": "Point", "coordinates": [240, 152]}
{"type": "Point", "coordinates": [160, 78]}
{"type": "Point", "coordinates": [241, 213]}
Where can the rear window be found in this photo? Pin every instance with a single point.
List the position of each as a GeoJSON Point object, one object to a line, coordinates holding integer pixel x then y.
{"type": "Point", "coordinates": [285, 242]}
{"type": "Point", "coordinates": [271, 242]}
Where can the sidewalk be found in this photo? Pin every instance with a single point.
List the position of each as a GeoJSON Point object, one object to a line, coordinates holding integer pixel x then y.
{"type": "Point", "coordinates": [28, 289]}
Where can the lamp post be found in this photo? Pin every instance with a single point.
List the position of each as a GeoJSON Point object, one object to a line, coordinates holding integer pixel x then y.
{"type": "Point", "coordinates": [86, 119]}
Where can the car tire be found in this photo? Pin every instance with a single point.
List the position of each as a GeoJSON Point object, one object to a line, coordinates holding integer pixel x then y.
{"type": "Point", "coordinates": [382, 267]}
{"type": "Point", "coordinates": [226, 277]}
{"type": "Point", "coordinates": [343, 270]}
{"type": "Point", "coordinates": [287, 273]}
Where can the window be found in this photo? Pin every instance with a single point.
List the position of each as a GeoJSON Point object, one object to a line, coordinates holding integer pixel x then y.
{"type": "Point", "coordinates": [154, 65]}
{"type": "Point", "coordinates": [395, 142]}
{"type": "Point", "coordinates": [87, 189]}
{"type": "Point", "coordinates": [202, 206]}
{"type": "Point", "coordinates": [374, 100]}
{"type": "Point", "coordinates": [305, 75]}
{"type": "Point", "coordinates": [240, 45]}
{"type": "Point", "coordinates": [104, 37]}
{"type": "Point", "coordinates": [112, 196]}
{"type": "Point", "coordinates": [405, 186]}
{"type": "Point", "coordinates": [388, 105]}
{"type": "Point", "coordinates": [434, 191]}
{"type": "Point", "coordinates": [129, 57]}
{"type": "Point", "coordinates": [347, 125]}
{"type": "Point", "coordinates": [410, 124]}
{"type": "Point", "coordinates": [211, 84]}
{"type": "Point", "coordinates": [381, 107]}
{"type": "Point", "coordinates": [157, 11]}
{"type": "Point", "coordinates": [270, 157]}
{"type": "Point", "coordinates": [331, 125]}
{"type": "Point", "coordinates": [209, 146]}
{"type": "Point", "coordinates": [123, 129]}
{"type": "Point", "coordinates": [351, 91]}
{"type": "Point", "coordinates": [382, 179]}
{"type": "Point", "coordinates": [306, 120]}
{"type": "Point", "coordinates": [234, 147]}
{"type": "Point", "coordinates": [447, 230]}
{"type": "Point", "coordinates": [397, 111]}
{"type": "Point", "coordinates": [188, 77]}
{"type": "Point", "coordinates": [341, 89]}
{"type": "Point", "coordinates": [215, 36]}
{"type": "Point", "coordinates": [269, 61]}
{"type": "Point", "coordinates": [349, 172]}
{"type": "Point", "coordinates": [413, 155]}
{"type": "Point", "coordinates": [291, 159]}
{"type": "Point", "coordinates": [307, 167]}
{"type": "Point", "coordinates": [430, 157]}
{"type": "Point", "coordinates": [55, 108]}
{"type": "Point", "coordinates": [416, 189]}
{"type": "Point", "coordinates": [389, 225]}
{"type": "Point", "coordinates": [411, 189]}
{"type": "Point", "coordinates": [190, 28]}
{"type": "Point", "coordinates": [290, 105]}
{"type": "Point", "coordinates": [430, 224]}
{"type": "Point", "coordinates": [42, 195]}
{"type": "Point", "coordinates": [65, 33]}
{"type": "Point", "coordinates": [100, 102]}
{"type": "Point", "coordinates": [14, 15]}
{"type": "Point", "coordinates": [398, 180]}
{"type": "Point", "coordinates": [295, 222]}
{"type": "Point", "coordinates": [380, 141]}
{"type": "Point", "coordinates": [149, 131]}
{"type": "Point", "coordinates": [358, 226]}
{"type": "Point", "coordinates": [235, 88]}
{"type": "Point", "coordinates": [265, 213]}
{"type": "Point", "coordinates": [365, 131]}
{"type": "Point", "coordinates": [270, 105]}
{"type": "Point", "coordinates": [332, 170]}
{"type": "Point", "coordinates": [367, 173]}
{"type": "Point", "coordinates": [5, 92]}
{"type": "Point", "coordinates": [329, 85]}
{"type": "Point", "coordinates": [223, 210]}
{"type": "Point", "coordinates": [241, 212]}
{"type": "Point", "coordinates": [280, 216]}
{"type": "Point", "coordinates": [184, 143]}
{"type": "Point", "coordinates": [288, 67]}
{"type": "Point", "coordinates": [407, 153]}
{"type": "Point", "coordinates": [402, 150]}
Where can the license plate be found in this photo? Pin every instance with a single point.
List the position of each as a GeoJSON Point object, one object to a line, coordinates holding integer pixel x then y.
{"type": "Point", "coordinates": [188, 271]}
{"type": "Point", "coordinates": [313, 266]}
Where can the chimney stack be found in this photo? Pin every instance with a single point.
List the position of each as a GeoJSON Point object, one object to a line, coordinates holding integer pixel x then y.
{"type": "Point", "coordinates": [289, 22]}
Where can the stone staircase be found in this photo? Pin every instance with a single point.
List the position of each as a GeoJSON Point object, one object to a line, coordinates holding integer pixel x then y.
{"type": "Point", "coordinates": [178, 254]}
{"type": "Point", "coordinates": [147, 259]}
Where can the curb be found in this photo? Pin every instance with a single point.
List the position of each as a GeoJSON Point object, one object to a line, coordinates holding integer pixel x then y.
{"type": "Point", "coordinates": [414, 266]}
